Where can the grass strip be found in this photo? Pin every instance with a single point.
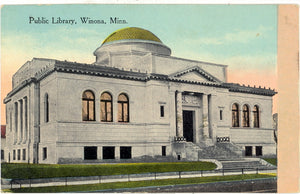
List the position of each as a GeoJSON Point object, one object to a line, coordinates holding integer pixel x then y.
{"type": "Point", "coordinates": [271, 161]}
{"type": "Point", "coordinates": [26, 171]}
{"type": "Point", "coordinates": [134, 184]}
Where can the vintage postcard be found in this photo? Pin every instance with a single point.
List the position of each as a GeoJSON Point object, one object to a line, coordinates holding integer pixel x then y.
{"type": "Point", "coordinates": [139, 98]}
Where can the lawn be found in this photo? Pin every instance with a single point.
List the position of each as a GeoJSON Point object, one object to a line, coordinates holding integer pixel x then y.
{"type": "Point", "coordinates": [133, 184]}
{"type": "Point", "coordinates": [271, 161]}
{"type": "Point", "coordinates": [25, 171]}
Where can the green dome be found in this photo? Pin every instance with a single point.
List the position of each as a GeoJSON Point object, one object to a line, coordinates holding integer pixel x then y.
{"type": "Point", "coordinates": [131, 33]}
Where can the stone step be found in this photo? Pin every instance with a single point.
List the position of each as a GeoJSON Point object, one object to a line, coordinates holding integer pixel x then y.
{"type": "Point", "coordinates": [244, 164]}
{"type": "Point", "coordinates": [217, 152]}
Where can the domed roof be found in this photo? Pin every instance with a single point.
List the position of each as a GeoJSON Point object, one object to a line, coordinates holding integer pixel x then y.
{"type": "Point", "coordinates": [131, 33]}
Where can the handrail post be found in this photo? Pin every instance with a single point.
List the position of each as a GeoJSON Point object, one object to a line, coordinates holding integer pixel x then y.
{"type": "Point", "coordinates": [223, 171]}
{"type": "Point", "coordinates": [128, 178]}
{"type": "Point", "coordinates": [154, 175]}
{"type": "Point", "coordinates": [99, 178]}
{"type": "Point", "coordinates": [242, 171]}
{"type": "Point", "coordinates": [256, 170]}
{"type": "Point", "coordinates": [66, 183]}
{"type": "Point", "coordinates": [201, 173]}
{"type": "Point", "coordinates": [179, 174]}
{"type": "Point", "coordinates": [30, 183]}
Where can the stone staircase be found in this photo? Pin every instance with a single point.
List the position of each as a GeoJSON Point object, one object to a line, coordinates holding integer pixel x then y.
{"type": "Point", "coordinates": [231, 148]}
{"type": "Point", "coordinates": [195, 152]}
{"type": "Point", "coordinates": [246, 164]}
{"type": "Point", "coordinates": [192, 151]}
{"type": "Point", "coordinates": [230, 156]}
{"type": "Point", "coordinates": [217, 152]}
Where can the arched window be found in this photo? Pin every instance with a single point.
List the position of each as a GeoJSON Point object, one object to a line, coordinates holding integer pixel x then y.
{"type": "Point", "coordinates": [256, 116]}
{"type": "Point", "coordinates": [235, 115]}
{"type": "Point", "coordinates": [123, 108]}
{"type": "Point", "coordinates": [106, 107]}
{"type": "Point", "coordinates": [88, 106]}
{"type": "Point", "coordinates": [246, 116]}
{"type": "Point", "coordinates": [46, 108]}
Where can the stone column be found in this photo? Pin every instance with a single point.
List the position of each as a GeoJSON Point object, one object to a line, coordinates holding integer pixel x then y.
{"type": "Point", "coordinates": [23, 122]}
{"type": "Point", "coordinates": [214, 116]}
{"type": "Point", "coordinates": [20, 131]}
{"type": "Point", "coordinates": [16, 118]}
{"type": "Point", "coordinates": [36, 122]}
{"type": "Point", "coordinates": [179, 119]}
{"type": "Point", "coordinates": [25, 109]}
{"type": "Point", "coordinates": [205, 116]}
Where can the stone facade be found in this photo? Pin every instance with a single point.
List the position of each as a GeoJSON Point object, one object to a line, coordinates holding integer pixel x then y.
{"type": "Point", "coordinates": [173, 104]}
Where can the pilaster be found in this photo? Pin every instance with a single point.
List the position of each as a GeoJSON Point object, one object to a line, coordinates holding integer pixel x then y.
{"type": "Point", "coordinates": [179, 118]}
{"type": "Point", "coordinates": [205, 116]}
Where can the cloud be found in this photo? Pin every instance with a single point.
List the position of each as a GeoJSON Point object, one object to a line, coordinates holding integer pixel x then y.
{"type": "Point", "coordinates": [265, 61]}
{"type": "Point", "coordinates": [237, 36]}
{"type": "Point", "coordinates": [261, 61]}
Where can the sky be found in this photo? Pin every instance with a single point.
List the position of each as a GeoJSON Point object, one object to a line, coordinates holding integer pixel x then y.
{"type": "Point", "coordinates": [244, 37]}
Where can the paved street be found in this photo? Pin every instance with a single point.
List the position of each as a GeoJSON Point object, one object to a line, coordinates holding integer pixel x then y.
{"type": "Point", "coordinates": [256, 186]}
{"type": "Point", "coordinates": [123, 178]}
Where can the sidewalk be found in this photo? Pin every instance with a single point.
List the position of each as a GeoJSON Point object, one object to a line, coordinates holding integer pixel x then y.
{"type": "Point", "coordinates": [63, 181]}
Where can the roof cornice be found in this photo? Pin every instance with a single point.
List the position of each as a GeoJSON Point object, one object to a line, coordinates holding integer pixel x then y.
{"type": "Point", "coordinates": [104, 71]}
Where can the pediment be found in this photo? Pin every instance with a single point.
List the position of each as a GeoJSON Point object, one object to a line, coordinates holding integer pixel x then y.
{"type": "Point", "coordinates": [194, 74]}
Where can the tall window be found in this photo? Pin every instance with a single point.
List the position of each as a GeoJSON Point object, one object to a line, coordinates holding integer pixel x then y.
{"type": "Point", "coordinates": [14, 154]}
{"type": "Point", "coordinates": [162, 111]}
{"type": "Point", "coordinates": [246, 116]}
{"type": "Point", "coordinates": [19, 154]}
{"type": "Point", "coordinates": [24, 154]}
{"type": "Point", "coordinates": [221, 114]}
{"type": "Point", "coordinates": [123, 108]}
{"type": "Point", "coordinates": [163, 150]}
{"type": "Point", "coordinates": [45, 153]}
{"type": "Point", "coordinates": [256, 116]}
{"type": "Point", "coordinates": [235, 115]}
{"type": "Point", "coordinates": [106, 107]}
{"type": "Point", "coordinates": [88, 106]}
{"type": "Point", "coordinates": [46, 105]}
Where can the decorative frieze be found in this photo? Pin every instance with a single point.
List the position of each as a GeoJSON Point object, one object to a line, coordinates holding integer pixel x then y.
{"type": "Point", "coordinates": [189, 99]}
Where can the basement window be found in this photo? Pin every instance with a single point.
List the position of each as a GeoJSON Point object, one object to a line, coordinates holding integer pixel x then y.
{"type": "Point", "coordinates": [258, 150]}
{"type": "Point", "coordinates": [90, 153]}
{"type": "Point", "coordinates": [248, 150]}
{"type": "Point", "coordinates": [108, 152]}
{"type": "Point", "coordinates": [125, 152]}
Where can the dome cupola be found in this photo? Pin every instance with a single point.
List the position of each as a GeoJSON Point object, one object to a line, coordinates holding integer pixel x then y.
{"type": "Point", "coordinates": [130, 42]}
{"type": "Point", "coordinates": [131, 33]}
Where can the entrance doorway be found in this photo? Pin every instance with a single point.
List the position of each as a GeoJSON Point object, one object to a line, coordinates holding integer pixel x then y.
{"type": "Point", "coordinates": [188, 125]}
